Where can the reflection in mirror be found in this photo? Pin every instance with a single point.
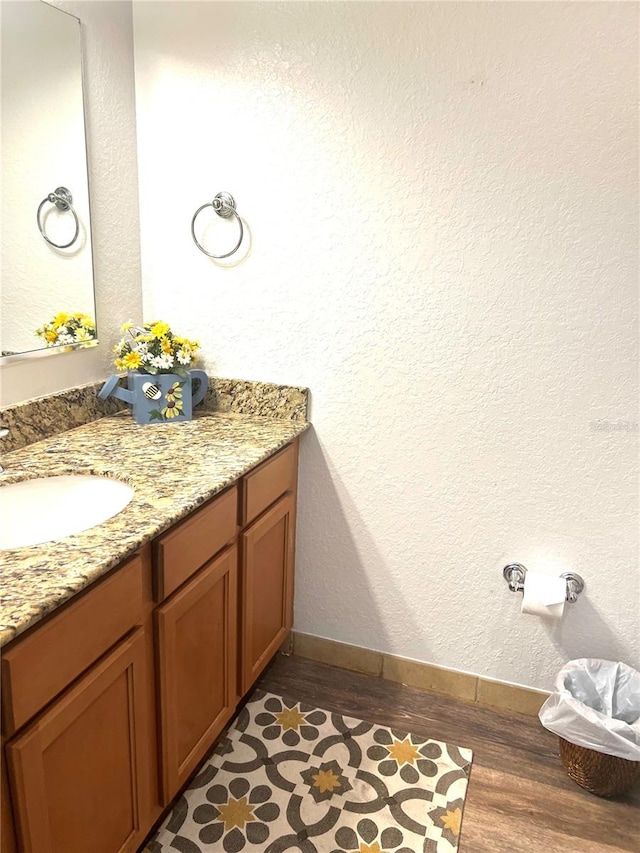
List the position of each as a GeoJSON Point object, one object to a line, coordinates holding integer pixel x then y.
{"type": "Point", "coordinates": [47, 295]}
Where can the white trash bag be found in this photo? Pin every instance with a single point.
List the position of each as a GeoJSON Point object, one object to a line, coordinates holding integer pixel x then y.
{"type": "Point", "coordinates": [596, 703]}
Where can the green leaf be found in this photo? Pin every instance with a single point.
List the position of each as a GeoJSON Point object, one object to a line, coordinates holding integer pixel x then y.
{"type": "Point", "coordinates": [155, 415]}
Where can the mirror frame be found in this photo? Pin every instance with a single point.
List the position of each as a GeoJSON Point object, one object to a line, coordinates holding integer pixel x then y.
{"type": "Point", "coordinates": [80, 345]}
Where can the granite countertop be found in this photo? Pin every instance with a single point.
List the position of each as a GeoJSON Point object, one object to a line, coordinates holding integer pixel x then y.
{"type": "Point", "coordinates": [174, 468]}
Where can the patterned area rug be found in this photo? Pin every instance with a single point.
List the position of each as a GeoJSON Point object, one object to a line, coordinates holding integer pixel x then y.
{"type": "Point", "coordinates": [288, 776]}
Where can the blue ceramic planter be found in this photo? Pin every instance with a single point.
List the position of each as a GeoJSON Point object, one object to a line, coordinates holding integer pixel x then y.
{"type": "Point", "coordinates": [161, 398]}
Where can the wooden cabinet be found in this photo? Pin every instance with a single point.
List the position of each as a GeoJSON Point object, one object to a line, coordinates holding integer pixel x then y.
{"type": "Point", "coordinates": [45, 662]}
{"type": "Point", "coordinates": [198, 643]}
{"type": "Point", "coordinates": [267, 548]}
{"type": "Point", "coordinates": [196, 633]}
{"type": "Point", "coordinates": [78, 704]}
{"type": "Point", "coordinates": [77, 771]}
{"type": "Point", "coordinates": [110, 704]}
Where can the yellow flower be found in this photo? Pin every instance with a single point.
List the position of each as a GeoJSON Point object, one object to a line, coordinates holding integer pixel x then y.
{"type": "Point", "coordinates": [175, 392]}
{"type": "Point", "coordinates": [132, 360]}
{"type": "Point", "coordinates": [86, 321]}
{"type": "Point", "coordinates": [50, 335]}
{"type": "Point", "coordinates": [159, 329]}
{"type": "Point", "coordinates": [180, 341]}
{"type": "Point", "coordinates": [61, 318]}
{"type": "Point", "coordinates": [184, 354]}
{"type": "Point", "coordinates": [165, 346]}
{"type": "Point", "coordinates": [173, 408]}
{"type": "Point", "coordinates": [120, 364]}
{"type": "Point", "coordinates": [126, 326]}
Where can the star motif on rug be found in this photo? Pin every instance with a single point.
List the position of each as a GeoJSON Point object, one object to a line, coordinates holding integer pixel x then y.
{"type": "Point", "coordinates": [235, 813]}
{"type": "Point", "coordinates": [449, 819]}
{"type": "Point", "coordinates": [370, 848]}
{"type": "Point", "coordinates": [325, 781]}
{"type": "Point", "coordinates": [369, 837]}
{"type": "Point", "coordinates": [404, 752]}
{"type": "Point", "coordinates": [290, 718]}
{"type": "Point", "coordinates": [405, 755]}
{"type": "Point", "coordinates": [286, 721]}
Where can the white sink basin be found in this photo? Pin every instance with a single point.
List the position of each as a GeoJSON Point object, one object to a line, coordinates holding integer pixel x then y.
{"type": "Point", "coordinates": [49, 508]}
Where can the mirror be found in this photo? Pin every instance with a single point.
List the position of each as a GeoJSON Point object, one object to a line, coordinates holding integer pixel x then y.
{"type": "Point", "coordinates": [46, 296]}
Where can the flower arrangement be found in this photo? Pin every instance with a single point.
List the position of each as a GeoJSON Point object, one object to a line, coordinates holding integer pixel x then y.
{"type": "Point", "coordinates": [67, 329]}
{"type": "Point", "coordinates": [153, 348]}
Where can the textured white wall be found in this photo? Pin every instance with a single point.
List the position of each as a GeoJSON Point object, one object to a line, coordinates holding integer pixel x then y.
{"type": "Point", "coordinates": [443, 208]}
{"type": "Point", "coordinates": [107, 37]}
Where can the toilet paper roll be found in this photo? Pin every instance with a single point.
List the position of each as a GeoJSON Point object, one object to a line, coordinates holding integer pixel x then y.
{"type": "Point", "coordinates": [544, 595]}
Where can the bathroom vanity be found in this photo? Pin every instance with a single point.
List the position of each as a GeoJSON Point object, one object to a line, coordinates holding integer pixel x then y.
{"type": "Point", "coordinates": [112, 698]}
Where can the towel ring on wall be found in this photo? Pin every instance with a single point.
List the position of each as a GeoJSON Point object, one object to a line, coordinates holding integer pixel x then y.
{"type": "Point", "coordinates": [224, 205]}
{"type": "Point", "coordinates": [63, 200]}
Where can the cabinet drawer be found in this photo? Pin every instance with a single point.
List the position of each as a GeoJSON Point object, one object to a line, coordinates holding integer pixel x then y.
{"type": "Point", "coordinates": [41, 665]}
{"type": "Point", "coordinates": [186, 548]}
{"type": "Point", "coordinates": [269, 480]}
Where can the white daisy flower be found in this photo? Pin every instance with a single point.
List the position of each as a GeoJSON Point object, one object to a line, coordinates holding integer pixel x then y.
{"type": "Point", "coordinates": [162, 362]}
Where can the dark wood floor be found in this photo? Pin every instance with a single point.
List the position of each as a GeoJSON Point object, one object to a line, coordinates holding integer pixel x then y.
{"type": "Point", "coordinates": [519, 798]}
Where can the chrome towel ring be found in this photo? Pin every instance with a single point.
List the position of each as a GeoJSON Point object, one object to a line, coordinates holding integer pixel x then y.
{"type": "Point", "coordinates": [63, 200]}
{"type": "Point", "coordinates": [224, 205]}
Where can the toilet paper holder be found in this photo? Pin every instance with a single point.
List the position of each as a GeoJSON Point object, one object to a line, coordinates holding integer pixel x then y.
{"type": "Point", "coordinates": [515, 574]}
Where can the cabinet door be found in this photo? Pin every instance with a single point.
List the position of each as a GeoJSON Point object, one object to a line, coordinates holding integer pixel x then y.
{"type": "Point", "coordinates": [77, 772]}
{"type": "Point", "coordinates": [196, 630]}
{"type": "Point", "coordinates": [267, 587]}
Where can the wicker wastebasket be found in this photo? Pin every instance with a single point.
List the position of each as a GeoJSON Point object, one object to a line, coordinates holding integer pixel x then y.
{"type": "Point", "coordinates": [597, 772]}
{"type": "Point", "coordinates": [595, 712]}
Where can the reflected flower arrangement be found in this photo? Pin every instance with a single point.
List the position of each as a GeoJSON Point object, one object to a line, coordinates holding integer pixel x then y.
{"type": "Point", "coordinates": [66, 329]}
